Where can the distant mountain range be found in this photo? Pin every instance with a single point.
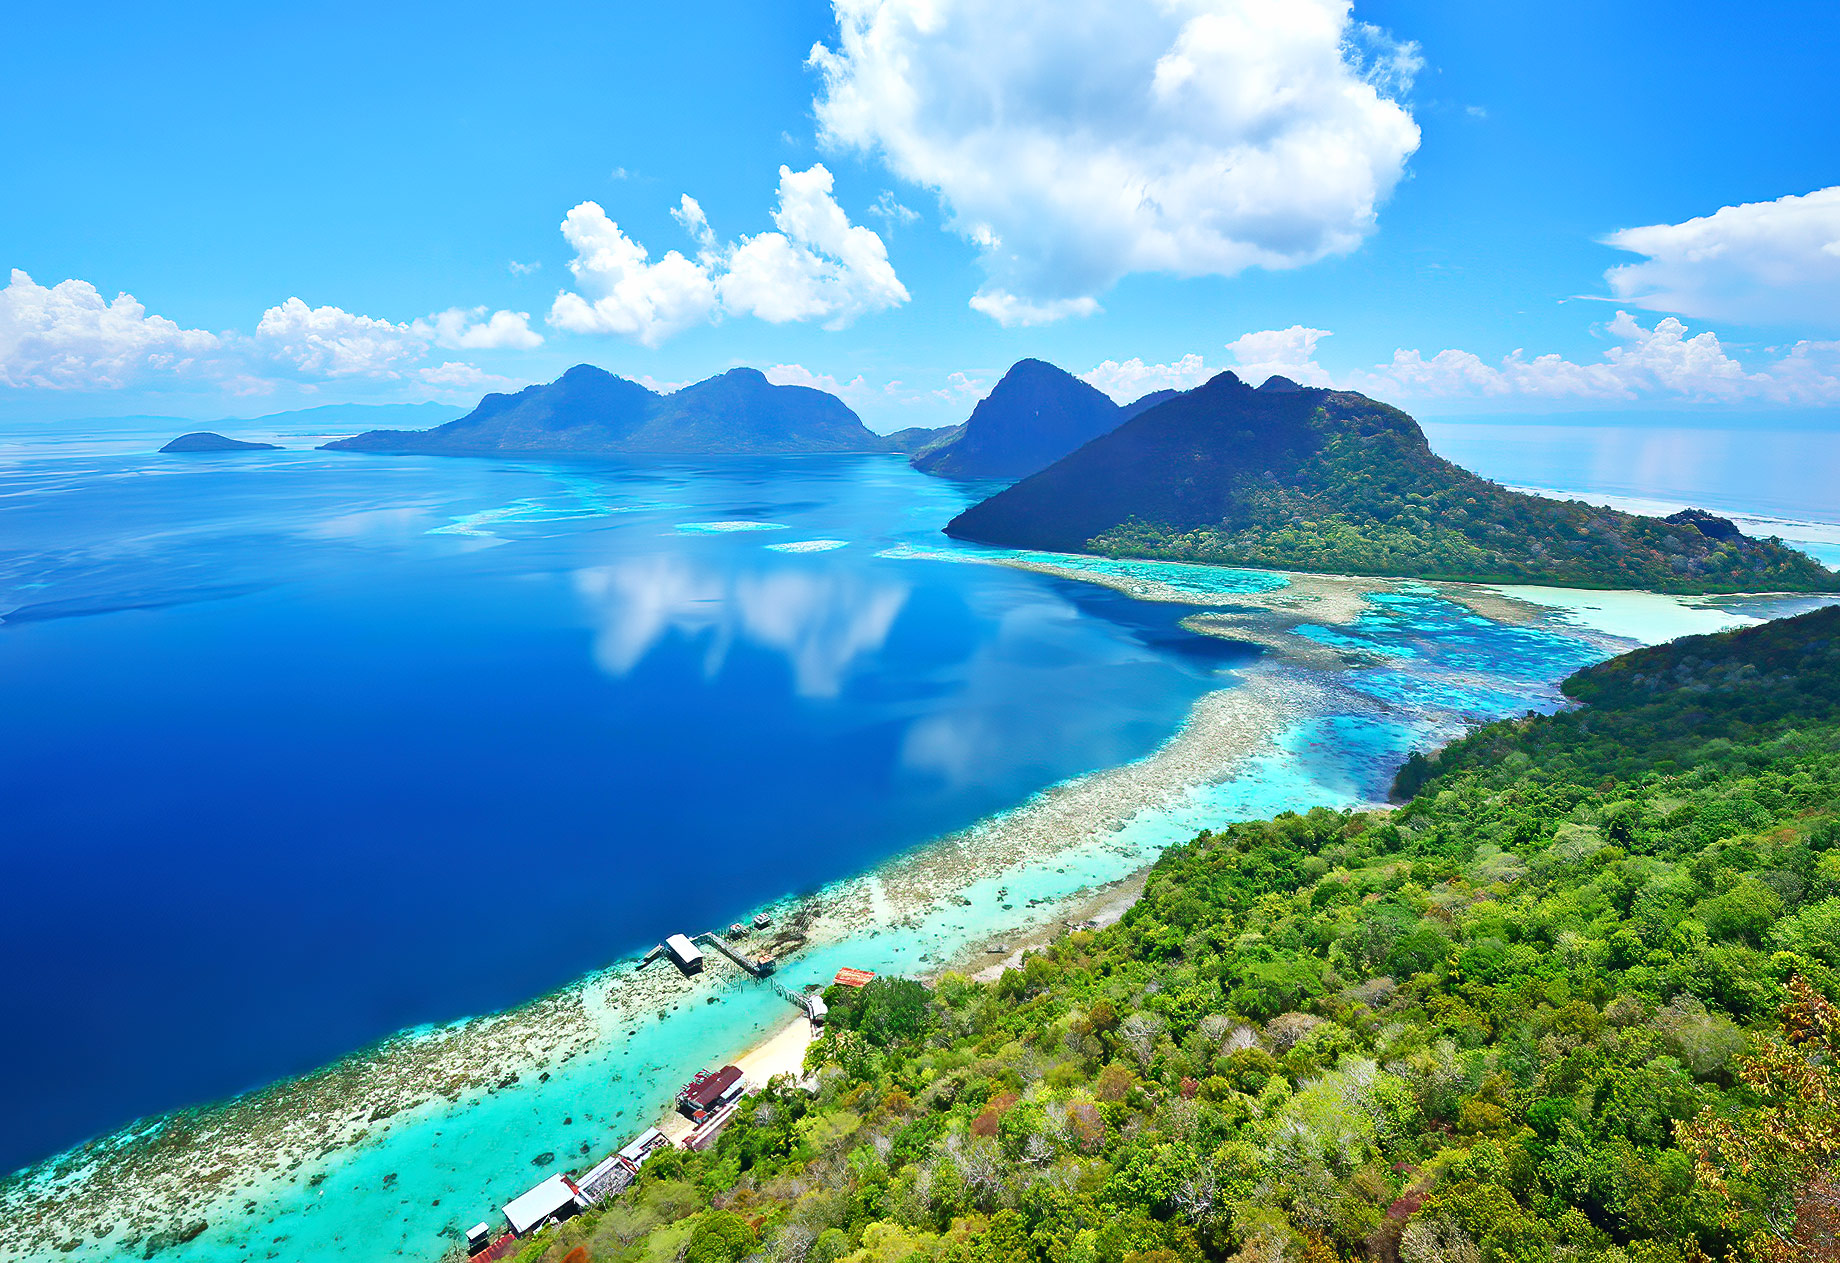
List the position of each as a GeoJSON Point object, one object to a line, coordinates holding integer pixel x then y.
{"type": "Point", "coordinates": [589, 411]}
{"type": "Point", "coordinates": [332, 417]}
{"type": "Point", "coordinates": [1037, 414]}
{"type": "Point", "coordinates": [1303, 479]}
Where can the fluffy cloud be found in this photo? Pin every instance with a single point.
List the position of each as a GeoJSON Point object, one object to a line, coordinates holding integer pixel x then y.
{"type": "Point", "coordinates": [1074, 143]}
{"type": "Point", "coordinates": [1009, 311]}
{"type": "Point", "coordinates": [958, 388]}
{"type": "Point", "coordinates": [1667, 361]}
{"type": "Point", "coordinates": [1133, 379]}
{"type": "Point", "coordinates": [332, 342]}
{"type": "Point", "coordinates": [621, 292]}
{"type": "Point", "coordinates": [1285, 352]}
{"type": "Point", "coordinates": [1280, 352]}
{"type": "Point", "coordinates": [816, 265]}
{"type": "Point", "coordinates": [1663, 360]}
{"type": "Point", "coordinates": [67, 336]}
{"type": "Point", "coordinates": [852, 391]}
{"type": "Point", "coordinates": [1762, 262]}
{"type": "Point", "coordinates": [462, 379]}
{"type": "Point", "coordinates": [459, 329]}
{"type": "Point", "coordinates": [891, 212]}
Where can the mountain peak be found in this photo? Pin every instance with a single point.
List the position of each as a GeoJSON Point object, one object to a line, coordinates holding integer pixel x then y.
{"type": "Point", "coordinates": [1288, 477]}
{"type": "Point", "coordinates": [1036, 414]}
{"type": "Point", "coordinates": [587, 373]}
{"type": "Point", "coordinates": [589, 411]}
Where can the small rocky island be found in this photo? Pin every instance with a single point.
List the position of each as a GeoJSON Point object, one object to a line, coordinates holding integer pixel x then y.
{"type": "Point", "coordinates": [206, 441]}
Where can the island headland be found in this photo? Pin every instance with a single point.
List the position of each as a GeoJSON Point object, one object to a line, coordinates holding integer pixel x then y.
{"type": "Point", "coordinates": [1290, 477]}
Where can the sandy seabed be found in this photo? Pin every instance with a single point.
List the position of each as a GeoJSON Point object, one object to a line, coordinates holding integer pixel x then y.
{"type": "Point", "coordinates": [391, 1149]}
{"type": "Point", "coordinates": [151, 1185]}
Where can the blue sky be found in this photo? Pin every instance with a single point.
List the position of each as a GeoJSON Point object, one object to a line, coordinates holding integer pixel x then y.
{"type": "Point", "coordinates": [325, 205]}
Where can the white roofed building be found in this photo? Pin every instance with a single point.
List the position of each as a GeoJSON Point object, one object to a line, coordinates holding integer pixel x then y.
{"type": "Point", "coordinates": [556, 1197]}
{"type": "Point", "coordinates": [685, 953]}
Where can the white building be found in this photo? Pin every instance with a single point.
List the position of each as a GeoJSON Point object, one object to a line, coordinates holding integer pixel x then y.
{"type": "Point", "coordinates": [685, 953]}
{"type": "Point", "coordinates": [555, 1196]}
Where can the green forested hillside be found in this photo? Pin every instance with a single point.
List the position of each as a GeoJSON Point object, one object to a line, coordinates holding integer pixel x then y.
{"type": "Point", "coordinates": [1570, 1002]}
{"type": "Point", "coordinates": [1333, 481]}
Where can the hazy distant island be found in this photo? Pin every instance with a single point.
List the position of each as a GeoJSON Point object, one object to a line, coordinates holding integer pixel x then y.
{"type": "Point", "coordinates": [1294, 478]}
{"type": "Point", "coordinates": [591, 412]}
{"type": "Point", "coordinates": [1037, 414]}
{"type": "Point", "coordinates": [918, 438]}
{"type": "Point", "coordinates": [207, 441]}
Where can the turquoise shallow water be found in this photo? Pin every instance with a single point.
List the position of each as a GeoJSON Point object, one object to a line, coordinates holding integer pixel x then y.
{"type": "Point", "coordinates": [352, 714]}
{"type": "Point", "coordinates": [426, 1174]}
{"type": "Point", "coordinates": [517, 697]}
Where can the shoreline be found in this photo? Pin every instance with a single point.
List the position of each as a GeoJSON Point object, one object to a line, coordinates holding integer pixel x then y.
{"type": "Point", "coordinates": [282, 1145]}
{"type": "Point", "coordinates": [467, 1102]}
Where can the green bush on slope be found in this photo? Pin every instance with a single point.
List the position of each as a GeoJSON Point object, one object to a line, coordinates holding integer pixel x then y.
{"type": "Point", "coordinates": [1474, 1028]}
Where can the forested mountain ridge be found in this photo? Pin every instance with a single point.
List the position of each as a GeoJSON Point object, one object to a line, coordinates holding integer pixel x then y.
{"type": "Point", "coordinates": [1572, 1001]}
{"type": "Point", "coordinates": [1649, 709]}
{"type": "Point", "coordinates": [589, 411]}
{"type": "Point", "coordinates": [1302, 479]}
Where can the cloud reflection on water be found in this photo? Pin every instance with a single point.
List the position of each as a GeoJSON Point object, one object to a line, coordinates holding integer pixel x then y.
{"type": "Point", "coordinates": [823, 623]}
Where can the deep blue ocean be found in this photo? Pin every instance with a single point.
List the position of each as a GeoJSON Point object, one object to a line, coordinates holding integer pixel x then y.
{"type": "Point", "coordinates": [298, 749]}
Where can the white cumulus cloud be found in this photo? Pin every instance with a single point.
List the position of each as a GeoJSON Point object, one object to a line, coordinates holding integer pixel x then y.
{"type": "Point", "coordinates": [818, 266]}
{"type": "Point", "coordinates": [333, 342]}
{"type": "Point", "coordinates": [1761, 263]}
{"type": "Point", "coordinates": [1282, 353]}
{"type": "Point", "coordinates": [67, 336]}
{"type": "Point", "coordinates": [1076, 142]}
{"type": "Point", "coordinates": [461, 329]}
{"type": "Point", "coordinates": [851, 391]}
{"type": "Point", "coordinates": [1665, 361]}
{"type": "Point", "coordinates": [1133, 379]}
{"type": "Point", "coordinates": [1010, 311]}
{"type": "Point", "coordinates": [621, 292]}
{"type": "Point", "coordinates": [462, 379]}
{"type": "Point", "coordinates": [814, 265]}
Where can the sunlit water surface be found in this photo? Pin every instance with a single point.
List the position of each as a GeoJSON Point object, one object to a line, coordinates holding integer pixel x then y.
{"type": "Point", "coordinates": [301, 749]}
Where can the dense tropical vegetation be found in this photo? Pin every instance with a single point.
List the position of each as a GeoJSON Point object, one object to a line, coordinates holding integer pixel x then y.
{"type": "Point", "coordinates": [1338, 483]}
{"type": "Point", "coordinates": [1571, 1001]}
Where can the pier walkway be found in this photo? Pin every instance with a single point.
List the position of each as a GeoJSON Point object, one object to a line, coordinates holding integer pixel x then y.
{"type": "Point", "coordinates": [760, 968]}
